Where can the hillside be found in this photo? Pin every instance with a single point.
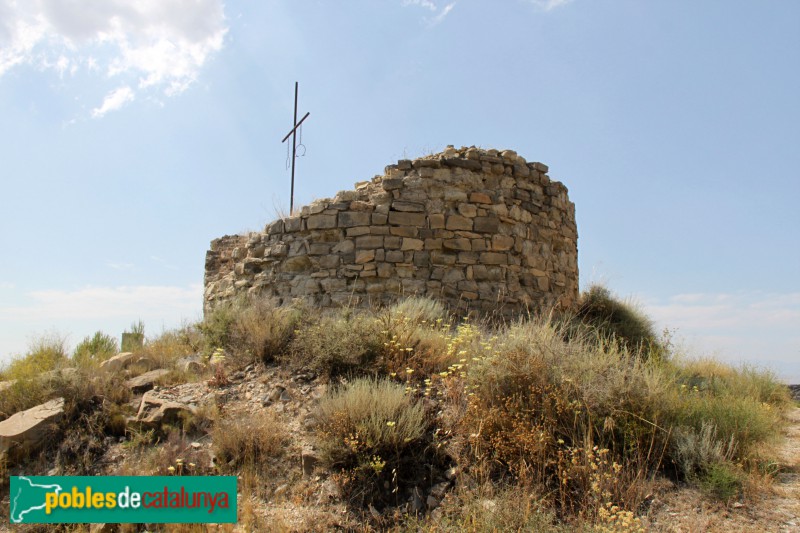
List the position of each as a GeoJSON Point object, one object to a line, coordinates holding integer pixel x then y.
{"type": "Point", "coordinates": [408, 418]}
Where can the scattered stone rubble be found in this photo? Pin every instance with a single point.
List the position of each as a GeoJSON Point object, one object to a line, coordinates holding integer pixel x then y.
{"type": "Point", "coordinates": [478, 229]}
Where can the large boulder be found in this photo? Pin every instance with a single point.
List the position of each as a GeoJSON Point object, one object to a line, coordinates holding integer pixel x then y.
{"type": "Point", "coordinates": [28, 430]}
{"type": "Point", "coordinates": [146, 381]}
{"type": "Point", "coordinates": [155, 410]}
{"type": "Point", "coordinates": [118, 362]}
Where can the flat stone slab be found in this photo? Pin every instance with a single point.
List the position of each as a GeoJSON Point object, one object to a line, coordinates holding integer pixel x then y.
{"type": "Point", "coordinates": [146, 381]}
{"type": "Point", "coordinates": [29, 429]}
{"type": "Point", "coordinates": [118, 362]}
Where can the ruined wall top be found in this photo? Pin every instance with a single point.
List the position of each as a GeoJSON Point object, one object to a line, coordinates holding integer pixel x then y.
{"type": "Point", "coordinates": [483, 230]}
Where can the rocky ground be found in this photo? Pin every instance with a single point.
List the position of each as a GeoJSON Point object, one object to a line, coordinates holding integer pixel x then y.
{"type": "Point", "coordinates": [301, 496]}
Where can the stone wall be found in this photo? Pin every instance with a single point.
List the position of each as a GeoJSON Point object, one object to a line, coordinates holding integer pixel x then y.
{"type": "Point", "coordinates": [479, 229]}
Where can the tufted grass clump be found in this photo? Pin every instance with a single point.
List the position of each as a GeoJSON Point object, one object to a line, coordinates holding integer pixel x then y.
{"type": "Point", "coordinates": [373, 430]}
{"type": "Point", "coordinates": [252, 329]}
{"type": "Point", "coordinates": [250, 440]}
{"type": "Point", "coordinates": [339, 342]}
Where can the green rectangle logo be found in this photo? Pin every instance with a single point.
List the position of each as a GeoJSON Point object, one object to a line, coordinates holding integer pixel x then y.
{"type": "Point", "coordinates": [122, 499]}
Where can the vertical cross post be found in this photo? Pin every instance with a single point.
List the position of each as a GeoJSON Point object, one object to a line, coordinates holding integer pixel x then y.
{"type": "Point", "coordinates": [293, 134]}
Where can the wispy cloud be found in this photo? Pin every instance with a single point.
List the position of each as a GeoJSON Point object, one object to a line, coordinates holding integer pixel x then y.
{"type": "Point", "coordinates": [749, 326]}
{"type": "Point", "coordinates": [427, 4]}
{"type": "Point", "coordinates": [442, 14]}
{"type": "Point", "coordinates": [439, 14]}
{"type": "Point", "coordinates": [81, 312]}
{"type": "Point", "coordinates": [6, 285]}
{"type": "Point", "coordinates": [116, 265]}
{"type": "Point", "coordinates": [104, 302]}
{"type": "Point", "coordinates": [158, 45]}
{"type": "Point", "coordinates": [113, 101]}
{"type": "Point", "coordinates": [549, 5]}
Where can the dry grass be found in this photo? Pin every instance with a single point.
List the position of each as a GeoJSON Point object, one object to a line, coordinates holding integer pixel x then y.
{"type": "Point", "coordinates": [335, 343]}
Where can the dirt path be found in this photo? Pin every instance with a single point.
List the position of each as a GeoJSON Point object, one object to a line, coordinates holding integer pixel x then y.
{"type": "Point", "coordinates": [776, 510]}
{"type": "Point", "coordinates": [786, 502]}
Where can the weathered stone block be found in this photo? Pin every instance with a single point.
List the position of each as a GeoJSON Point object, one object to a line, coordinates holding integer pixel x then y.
{"type": "Point", "coordinates": [369, 241]}
{"type": "Point", "coordinates": [433, 244]}
{"type": "Point", "coordinates": [480, 198]}
{"type": "Point", "coordinates": [436, 221]}
{"type": "Point", "coordinates": [358, 231]}
{"type": "Point", "coordinates": [457, 222]}
{"type": "Point", "coordinates": [412, 244]}
{"type": "Point", "coordinates": [344, 247]}
{"type": "Point", "coordinates": [349, 219]}
{"type": "Point", "coordinates": [486, 224]}
{"type": "Point", "coordinates": [457, 244]}
{"type": "Point", "coordinates": [439, 257]}
{"type": "Point", "coordinates": [493, 258]}
{"type": "Point", "coordinates": [502, 243]}
{"type": "Point", "coordinates": [399, 218]}
{"type": "Point", "coordinates": [321, 221]}
{"type": "Point", "coordinates": [404, 231]}
{"type": "Point", "coordinates": [364, 256]}
{"type": "Point", "coordinates": [391, 184]}
{"type": "Point", "coordinates": [467, 210]}
{"type": "Point", "coordinates": [296, 264]}
{"type": "Point", "coordinates": [409, 207]}
{"type": "Point", "coordinates": [392, 242]}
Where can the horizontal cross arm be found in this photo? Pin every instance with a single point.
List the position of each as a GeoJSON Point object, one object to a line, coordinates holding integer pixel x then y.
{"type": "Point", "coordinates": [296, 126]}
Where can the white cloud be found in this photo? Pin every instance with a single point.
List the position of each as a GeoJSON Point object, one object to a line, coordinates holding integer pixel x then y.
{"type": "Point", "coordinates": [113, 101]}
{"type": "Point", "coordinates": [83, 311]}
{"type": "Point", "coordinates": [103, 302]}
{"type": "Point", "coordinates": [119, 265]}
{"type": "Point", "coordinates": [158, 45]}
{"type": "Point", "coordinates": [427, 4]}
{"type": "Point", "coordinates": [6, 285]}
{"type": "Point", "coordinates": [442, 14]}
{"type": "Point", "coordinates": [431, 6]}
{"type": "Point", "coordinates": [548, 5]}
{"type": "Point", "coordinates": [752, 326]}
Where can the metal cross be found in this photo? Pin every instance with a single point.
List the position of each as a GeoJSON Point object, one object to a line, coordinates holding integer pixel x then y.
{"type": "Point", "coordinates": [293, 134]}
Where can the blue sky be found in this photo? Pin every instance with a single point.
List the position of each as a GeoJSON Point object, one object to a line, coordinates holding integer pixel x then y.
{"type": "Point", "coordinates": [134, 132]}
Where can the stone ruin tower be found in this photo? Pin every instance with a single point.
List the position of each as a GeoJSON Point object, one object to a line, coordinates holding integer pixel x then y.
{"type": "Point", "coordinates": [480, 230]}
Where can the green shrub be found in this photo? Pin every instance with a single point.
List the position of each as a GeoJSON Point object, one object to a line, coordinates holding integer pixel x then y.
{"type": "Point", "coordinates": [48, 352]}
{"type": "Point", "coordinates": [95, 349]}
{"type": "Point", "coordinates": [696, 451]}
{"type": "Point", "coordinates": [743, 405]}
{"type": "Point", "coordinates": [565, 415]}
{"type": "Point", "coordinates": [251, 329]}
{"type": "Point", "coordinates": [611, 318]}
{"type": "Point", "coordinates": [722, 481]}
{"type": "Point", "coordinates": [336, 343]}
{"type": "Point", "coordinates": [217, 325]}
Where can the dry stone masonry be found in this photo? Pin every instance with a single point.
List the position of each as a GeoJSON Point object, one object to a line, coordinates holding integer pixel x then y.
{"type": "Point", "coordinates": [481, 230]}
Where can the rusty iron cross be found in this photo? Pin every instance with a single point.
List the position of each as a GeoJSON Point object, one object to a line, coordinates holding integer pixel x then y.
{"type": "Point", "coordinates": [293, 134]}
